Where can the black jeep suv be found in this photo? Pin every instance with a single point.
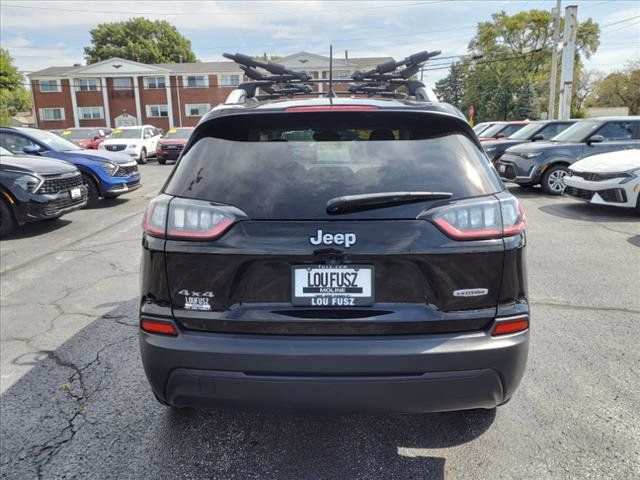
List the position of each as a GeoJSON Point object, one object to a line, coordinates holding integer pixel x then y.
{"type": "Point", "coordinates": [334, 254]}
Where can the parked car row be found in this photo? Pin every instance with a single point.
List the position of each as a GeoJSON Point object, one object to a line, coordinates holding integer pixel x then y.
{"type": "Point", "coordinates": [545, 153]}
{"type": "Point", "coordinates": [45, 174]}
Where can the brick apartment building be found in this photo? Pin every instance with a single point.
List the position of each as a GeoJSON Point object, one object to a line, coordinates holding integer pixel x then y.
{"type": "Point", "coordinates": [119, 92]}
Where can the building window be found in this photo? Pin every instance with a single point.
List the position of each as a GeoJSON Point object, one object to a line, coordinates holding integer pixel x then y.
{"type": "Point", "coordinates": [125, 83]}
{"type": "Point", "coordinates": [155, 111]}
{"type": "Point", "coordinates": [196, 81]}
{"type": "Point", "coordinates": [87, 84]}
{"type": "Point", "coordinates": [154, 82]}
{"type": "Point", "coordinates": [229, 80]}
{"type": "Point", "coordinates": [196, 109]}
{"type": "Point", "coordinates": [50, 86]}
{"type": "Point", "coordinates": [90, 113]}
{"type": "Point", "coordinates": [51, 114]}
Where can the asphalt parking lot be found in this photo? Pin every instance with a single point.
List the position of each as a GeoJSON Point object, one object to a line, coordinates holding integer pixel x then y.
{"type": "Point", "coordinates": [75, 402]}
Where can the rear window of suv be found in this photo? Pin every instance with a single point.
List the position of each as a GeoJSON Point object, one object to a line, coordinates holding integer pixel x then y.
{"type": "Point", "coordinates": [287, 166]}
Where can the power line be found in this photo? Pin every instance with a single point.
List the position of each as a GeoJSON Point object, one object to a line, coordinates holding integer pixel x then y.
{"type": "Point", "coordinates": [621, 21]}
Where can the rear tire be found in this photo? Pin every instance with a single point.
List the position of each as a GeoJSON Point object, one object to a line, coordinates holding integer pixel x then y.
{"type": "Point", "coordinates": [7, 222]}
{"type": "Point", "coordinates": [93, 195]}
{"type": "Point", "coordinates": [638, 205]}
{"type": "Point", "coordinates": [162, 161]}
{"type": "Point", "coordinates": [143, 156]}
{"type": "Point", "coordinates": [552, 182]}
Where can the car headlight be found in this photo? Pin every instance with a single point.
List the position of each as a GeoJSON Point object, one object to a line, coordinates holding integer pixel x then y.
{"type": "Point", "coordinates": [133, 145]}
{"type": "Point", "coordinates": [490, 149]}
{"type": "Point", "coordinates": [630, 175]}
{"type": "Point", "coordinates": [109, 167]}
{"type": "Point", "coordinates": [28, 183]}
{"type": "Point", "coordinates": [531, 154]}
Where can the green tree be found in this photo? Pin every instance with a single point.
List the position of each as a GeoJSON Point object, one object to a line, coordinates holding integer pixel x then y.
{"type": "Point", "coordinates": [619, 89]}
{"type": "Point", "coordinates": [14, 97]}
{"type": "Point", "coordinates": [451, 88]}
{"type": "Point", "coordinates": [516, 50]}
{"type": "Point", "coordinates": [140, 40]}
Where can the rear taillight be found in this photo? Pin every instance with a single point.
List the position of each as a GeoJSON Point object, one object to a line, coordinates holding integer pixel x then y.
{"type": "Point", "coordinates": [505, 326]}
{"type": "Point", "coordinates": [185, 219]}
{"type": "Point", "coordinates": [481, 219]}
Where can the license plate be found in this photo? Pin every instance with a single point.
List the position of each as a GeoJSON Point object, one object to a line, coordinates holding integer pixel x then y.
{"type": "Point", "coordinates": [332, 285]}
{"type": "Point", "coordinates": [502, 168]}
{"type": "Point", "coordinates": [75, 193]}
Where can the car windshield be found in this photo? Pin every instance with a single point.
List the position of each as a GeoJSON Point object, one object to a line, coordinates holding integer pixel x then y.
{"type": "Point", "coordinates": [291, 170]}
{"type": "Point", "coordinates": [182, 133]}
{"type": "Point", "coordinates": [78, 134]}
{"type": "Point", "coordinates": [126, 133]}
{"type": "Point", "coordinates": [493, 130]}
{"type": "Point", "coordinates": [577, 132]}
{"type": "Point", "coordinates": [481, 127]}
{"type": "Point", "coordinates": [53, 141]}
{"type": "Point", "coordinates": [525, 132]}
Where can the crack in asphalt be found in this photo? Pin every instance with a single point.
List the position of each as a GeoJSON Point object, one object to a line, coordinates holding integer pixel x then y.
{"type": "Point", "coordinates": [43, 454]}
{"type": "Point", "coordinates": [571, 306]}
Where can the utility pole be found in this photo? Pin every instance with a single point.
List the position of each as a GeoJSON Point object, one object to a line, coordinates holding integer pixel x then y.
{"type": "Point", "coordinates": [554, 61]}
{"type": "Point", "coordinates": [568, 54]}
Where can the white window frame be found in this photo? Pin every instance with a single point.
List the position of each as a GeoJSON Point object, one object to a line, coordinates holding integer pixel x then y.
{"type": "Point", "coordinates": [162, 108]}
{"type": "Point", "coordinates": [48, 82]}
{"type": "Point", "coordinates": [92, 111]}
{"type": "Point", "coordinates": [42, 113]}
{"type": "Point", "coordinates": [130, 87]}
{"type": "Point", "coordinates": [189, 106]}
{"type": "Point", "coordinates": [224, 79]}
{"type": "Point", "coordinates": [79, 84]}
{"type": "Point", "coordinates": [185, 81]}
{"type": "Point", "coordinates": [155, 79]}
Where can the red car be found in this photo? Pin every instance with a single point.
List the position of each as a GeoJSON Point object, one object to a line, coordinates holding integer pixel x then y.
{"type": "Point", "coordinates": [170, 146]}
{"type": "Point", "coordinates": [86, 137]}
{"type": "Point", "coordinates": [502, 130]}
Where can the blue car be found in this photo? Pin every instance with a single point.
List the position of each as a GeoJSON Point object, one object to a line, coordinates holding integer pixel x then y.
{"type": "Point", "coordinates": [105, 174]}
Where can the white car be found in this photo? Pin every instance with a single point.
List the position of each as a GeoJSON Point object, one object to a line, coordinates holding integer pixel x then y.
{"type": "Point", "coordinates": [607, 179]}
{"type": "Point", "coordinates": [139, 142]}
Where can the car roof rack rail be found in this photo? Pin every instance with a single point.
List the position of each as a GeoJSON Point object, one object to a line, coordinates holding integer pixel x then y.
{"type": "Point", "coordinates": [383, 80]}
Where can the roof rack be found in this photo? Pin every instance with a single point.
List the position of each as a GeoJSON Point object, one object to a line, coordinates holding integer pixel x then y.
{"type": "Point", "coordinates": [383, 80]}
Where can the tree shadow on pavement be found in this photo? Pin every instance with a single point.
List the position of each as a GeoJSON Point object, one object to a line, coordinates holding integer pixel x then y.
{"type": "Point", "coordinates": [85, 410]}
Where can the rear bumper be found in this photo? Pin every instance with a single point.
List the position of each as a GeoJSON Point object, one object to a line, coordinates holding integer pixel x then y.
{"type": "Point", "coordinates": [400, 374]}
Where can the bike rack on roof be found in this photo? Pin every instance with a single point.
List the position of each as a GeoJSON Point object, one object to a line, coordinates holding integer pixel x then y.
{"type": "Point", "coordinates": [383, 80]}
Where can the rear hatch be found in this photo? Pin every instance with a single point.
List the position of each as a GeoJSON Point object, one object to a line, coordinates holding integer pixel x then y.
{"type": "Point", "coordinates": [282, 222]}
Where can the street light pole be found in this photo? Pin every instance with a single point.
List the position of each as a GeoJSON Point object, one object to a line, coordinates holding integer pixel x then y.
{"type": "Point", "coordinates": [554, 61]}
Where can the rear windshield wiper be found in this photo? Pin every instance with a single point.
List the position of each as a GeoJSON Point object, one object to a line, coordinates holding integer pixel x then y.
{"type": "Point", "coordinates": [369, 201]}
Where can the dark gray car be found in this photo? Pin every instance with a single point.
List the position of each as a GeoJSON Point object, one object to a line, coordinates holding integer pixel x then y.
{"type": "Point", "coordinates": [536, 131]}
{"type": "Point", "coordinates": [546, 163]}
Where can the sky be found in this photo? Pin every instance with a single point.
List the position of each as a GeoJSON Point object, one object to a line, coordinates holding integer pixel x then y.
{"type": "Point", "coordinates": [39, 34]}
